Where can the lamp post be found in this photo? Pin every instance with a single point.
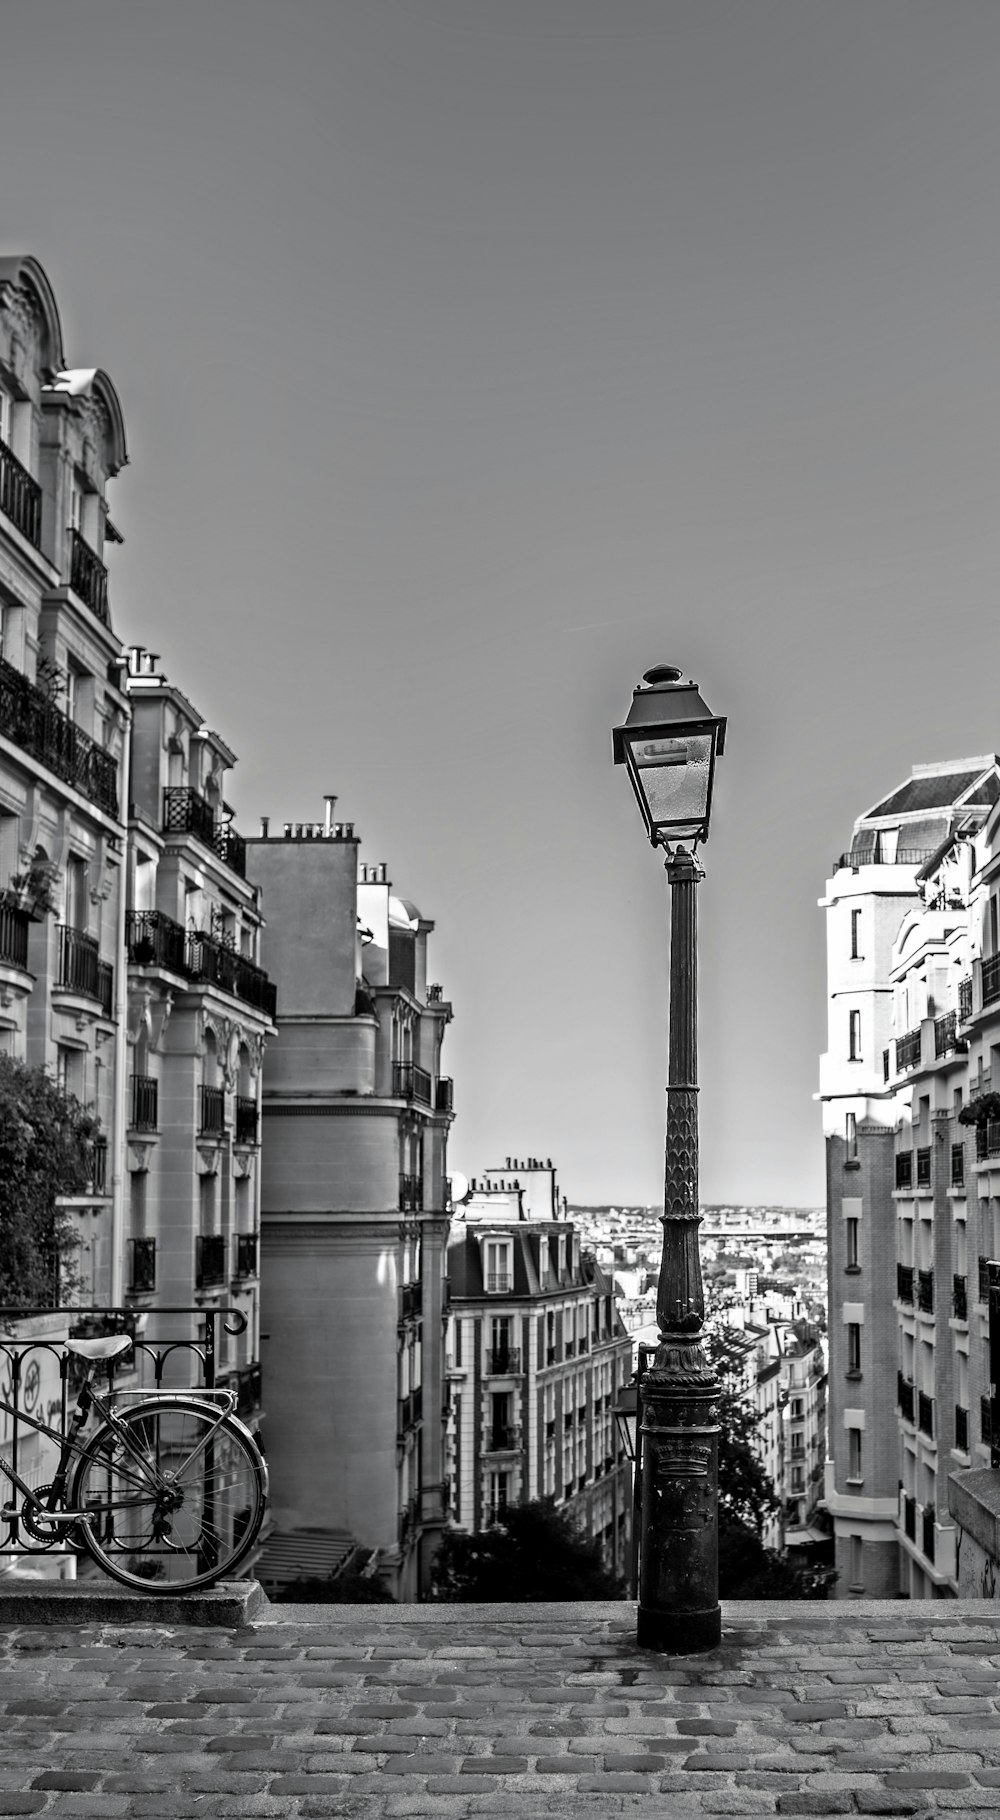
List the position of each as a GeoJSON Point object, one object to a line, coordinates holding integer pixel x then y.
{"type": "Point", "coordinates": [626, 1414]}
{"type": "Point", "coordinates": [669, 743]}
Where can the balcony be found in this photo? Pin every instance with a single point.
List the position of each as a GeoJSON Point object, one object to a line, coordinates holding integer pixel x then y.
{"type": "Point", "coordinates": [20, 497]}
{"type": "Point", "coordinates": [503, 1361]}
{"type": "Point", "coordinates": [411, 1409]}
{"type": "Point", "coordinates": [983, 1294]}
{"type": "Point", "coordinates": [908, 1051]}
{"type": "Point", "coordinates": [411, 1194]}
{"type": "Point", "coordinates": [958, 1166]}
{"type": "Point", "coordinates": [219, 965]}
{"type": "Point", "coordinates": [154, 940]}
{"type": "Point", "coordinates": [411, 1083]}
{"type": "Point", "coordinates": [927, 1531]}
{"type": "Point", "coordinates": [904, 856]}
{"type": "Point", "coordinates": [30, 720]}
{"type": "Point", "coordinates": [142, 1266]}
{"type": "Point", "coordinates": [504, 1437]}
{"type": "Point", "coordinates": [79, 957]}
{"type": "Point", "coordinates": [144, 1114]}
{"type": "Point", "coordinates": [246, 1254]}
{"type": "Point", "coordinates": [213, 1112]}
{"type": "Point", "coordinates": [925, 1414]}
{"type": "Point", "coordinates": [186, 811]}
{"type": "Point", "coordinates": [910, 1516]}
{"type": "Point", "coordinates": [904, 1282]}
{"type": "Point", "coordinates": [246, 1119]}
{"type": "Point", "coordinates": [209, 1260]}
{"type": "Point", "coordinates": [945, 1040]}
{"type": "Point", "coordinates": [87, 576]}
{"type": "Point", "coordinates": [925, 1291]}
{"type": "Point", "coordinates": [991, 980]}
{"type": "Point", "coordinates": [961, 1428]}
{"type": "Point", "coordinates": [965, 998]}
{"type": "Point", "coordinates": [444, 1098]}
{"type": "Point", "coordinates": [923, 1168]}
{"type": "Point", "coordinates": [959, 1298]}
{"type": "Point", "coordinates": [99, 1166]}
{"type": "Point", "coordinates": [904, 1169]}
{"type": "Point", "coordinates": [13, 935]}
{"type": "Point", "coordinates": [905, 1397]}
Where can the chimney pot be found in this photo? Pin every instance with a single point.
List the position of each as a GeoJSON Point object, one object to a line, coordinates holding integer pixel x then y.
{"type": "Point", "coordinates": [265, 823]}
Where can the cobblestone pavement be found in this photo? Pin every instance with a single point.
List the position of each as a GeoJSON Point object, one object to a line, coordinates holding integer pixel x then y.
{"type": "Point", "coordinates": [511, 1711]}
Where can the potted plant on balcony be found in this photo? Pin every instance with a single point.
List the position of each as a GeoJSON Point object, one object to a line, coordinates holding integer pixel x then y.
{"type": "Point", "coordinates": [983, 1110]}
{"type": "Point", "coordinates": [33, 890]}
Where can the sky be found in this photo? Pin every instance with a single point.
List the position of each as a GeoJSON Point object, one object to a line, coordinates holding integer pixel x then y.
{"type": "Point", "coordinates": [476, 355]}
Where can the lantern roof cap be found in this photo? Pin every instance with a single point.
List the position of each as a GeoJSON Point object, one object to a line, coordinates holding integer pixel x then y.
{"type": "Point", "coordinates": [664, 699]}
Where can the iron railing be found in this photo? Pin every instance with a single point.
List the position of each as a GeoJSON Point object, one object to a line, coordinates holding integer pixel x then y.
{"type": "Point", "coordinates": [20, 497]}
{"type": "Point", "coordinates": [30, 720]}
{"type": "Point", "coordinates": [212, 961]}
{"type": "Point", "coordinates": [904, 856]}
{"type": "Point", "coordinates": [410, 1082]}
{"type": "Point", "coordinates": [959, 1298]}
{"type": "Point", "coordinates": [153, 939]}
{"type": "Point", "coordinates": [958, 1165]}
{"type": "Point", "coordinates": [925, 1414]}
{"type": "Point", "coordinates": [925, 1291]}
{"type": "Point", "coordinates": [99, 1165]}
{"type": "Point", "coordinates": [961, 1428]}
{"type": "Point", "coordinates": [904, 1282]}
{"type": "Point", "coordinates": [905, 1396]}
{"type": "Point", "coordinates": [171, 1361]}
{"type": "Point", "coordinates": [209, 1260]}
{"type": "Point", "coordinates": [186, 811]}
{"type": "Point", "coordinates": [13, 934]}
{"type": "Point", "coordinates": [504, 1437]}
{"type": "Point", "coordinates": [79, 955]}
{"type": "Point", "coordinates": [246, 1254]}
{"type": "Point", "coordinates": [908, 1050]}
{"type": "Point", "coordinates": [904, 1169]}
{"type": "Point", "coordinates": [923, 1168]}
{"type": "Point", "coordinates": [246, 1119]}
{"type": "Point", "coordinates": [87, 576]}
{"type": "Point", "coordinates": [142, 1266]}
{"type": "Point", "coordinates": [965, 998]}
{"type": "Point", "coordinates": [991, 979]}
{"type": "Point", "coordinates": [411, 1194]}
{"type": "Point", "coordinates": [944, 1033]}
{"type": "Point", "coordinates": [144, 1115]}
{"type": "Point", "coordinates": [106, 989]}
{"type": "Point", "coordinates": [213, 1111]}
{"type": "Point", "coordinates": [501, 1361]}
{"type": "Point", "coordinates": [444, 1099]}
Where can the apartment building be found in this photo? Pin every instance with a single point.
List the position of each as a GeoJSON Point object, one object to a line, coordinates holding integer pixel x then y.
{"type": "Point", "coordinates": [200, 1012]}
{"type": "Point", "coordinates": [537, 1356]}
{"type": "Point", "coordinates": [356, 1115]}
{"type": "Point", "coordinates": [63, 726]}
{"type": "Point", "coordinates": [907, 927]}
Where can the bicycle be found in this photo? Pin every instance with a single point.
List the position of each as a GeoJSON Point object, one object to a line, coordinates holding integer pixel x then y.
{"type": "Point", "coordinates": [166, 1496]}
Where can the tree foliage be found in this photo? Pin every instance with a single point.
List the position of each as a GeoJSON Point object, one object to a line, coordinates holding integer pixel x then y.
{"type": "Point", "coordinates": [535, 1553]}
{"type": "Point", "coordinates": [46, 1148]}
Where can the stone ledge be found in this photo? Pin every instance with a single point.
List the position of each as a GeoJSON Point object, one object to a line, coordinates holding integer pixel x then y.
{"type": "Point", "coordinates": [231, 1603]}
{"type": "Point", "coordinates": [974, 1502]}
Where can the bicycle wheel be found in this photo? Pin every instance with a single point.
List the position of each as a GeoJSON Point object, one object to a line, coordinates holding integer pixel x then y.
{"type": "Point", "coordinates": [178, 1504]}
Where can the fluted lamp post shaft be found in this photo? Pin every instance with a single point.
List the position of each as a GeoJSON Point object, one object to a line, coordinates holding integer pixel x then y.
{"type": "Point", "coordinates": [670, 742]}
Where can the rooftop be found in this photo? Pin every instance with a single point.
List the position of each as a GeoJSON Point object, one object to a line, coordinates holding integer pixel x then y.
{"type": "Point", "coordinates": [502, 1710]}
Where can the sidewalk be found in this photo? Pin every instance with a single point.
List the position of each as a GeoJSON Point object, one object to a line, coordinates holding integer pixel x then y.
{"type": "Point", "coordinates": [505, 1711]}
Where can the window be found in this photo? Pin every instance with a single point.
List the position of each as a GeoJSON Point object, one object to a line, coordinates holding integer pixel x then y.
{"type": "Point", "coordinates": [76, 892]}
{"type": "Point", "coordinates": [853, 1348]}
{"type": "Point", "coordinates": [498, 1266]}
{"type": "Point", "coordinates": [5, 416]}
{"type": "Point", "coordinates": [855, 935]}
{"type": "Point", "coordinates": [797, 1409]}
{"type": "Point", "coordinates": [543, 1262]}
{"type": "Point", "coordinates": [851, 1136]}
{"type": "Point", "coordinates": [562, 1255]}
{"type": "Point", "coordinates": [854, 1036]}
{"type": "Point", "coordinates": [854, 1461]}
{"type": "Point", "coordinates": [856, 1568]}
{"type": "Point", "coordinates": [851, 1232]}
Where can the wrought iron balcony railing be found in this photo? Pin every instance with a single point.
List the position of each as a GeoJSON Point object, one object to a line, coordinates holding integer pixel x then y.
{"type": "Point", "coordinates": [961, 1428]}
{"type": "Point", "coordinates": [904, 1282]}
{"type": "Point", "coordinates": [908, 1050]}
{"type": "Point", "coordinates": [959, 1298]}
{"type": "Point", "coordinates": [991, 979]}
{"type": "Point", "coordinates": [923, 1168]}
{"type": "Point", "coordinates": [925, 1414]}
{"type": "Point", "coordinates": [20, 497]}
{"type": "Point", "coordinates": [925, 1291]}
{"type": "Point", "coordinates": [30, 720]}
{"type": "Point", "coordinates": [142, 1266]}
{"type": "Point", "coordinates": [13, 934]}
{"type": "Point", "coordinates": [410, 1082]}
{"type": "Point", "coordinates": [209, 1260]}
{"type": "Point", "coordinates": [502, 1361]}
{"type": "Point", "coordinates": [87, 576]}
{"type": "Point", "coordinates": [79, 956]}
{"type": "Point", "coordinates": [965, 998]}
{"type": "Point", "coordinates": [154, 940]}
{"type": "Point", "coordinates": [944, 1033]}
{"type": "Point", "coordinates": [246, 1119]}
{"type": "Point", "coordinates": [99, 1166]}
{"type": "Point", "coordinates": [213, 1111]}
{"type": "Point", "coordinates": [145, 1103]}
{"type": "Point", "coordinates": [984, 1280]}
{"type": "Point", "coordinates": [186, 811]}
{"type": "Point", "coordinates": [444, 1099]}
{"type": "Point", "coordinates": [958, 1165]}
{"type": "Point", "coordinates": [987, 1140]}
{"type": "Point", "coordinates": [106, 989]}
{"type": "Point", "coordinates": [411, 1194]}
{"type": "Point", "coordinates": [904, 856]}
{"type": "Point", "coordinates": [218, 965]}
{"type": "Point", "coordinates": [904, 1169]}
{"type": "Point", "coordinates": [246, 1254]}
{"type": "Point", "coordinates": [504, 1437]}
{"type": "Point", "coordinates": [905, 1396]}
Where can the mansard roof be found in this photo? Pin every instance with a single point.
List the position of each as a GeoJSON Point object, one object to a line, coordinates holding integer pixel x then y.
{"type": "Point", "coordinates": [22, 272]}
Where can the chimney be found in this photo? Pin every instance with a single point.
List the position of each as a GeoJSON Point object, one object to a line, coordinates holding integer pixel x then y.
{"type": "Point", "coordinates": [265, 823]}
{"type": "Point", "coordinates": [328, 823]}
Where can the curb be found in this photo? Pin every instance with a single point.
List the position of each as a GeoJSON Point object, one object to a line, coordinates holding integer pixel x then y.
{"type": "Point", "coordinates": [233, 1603]}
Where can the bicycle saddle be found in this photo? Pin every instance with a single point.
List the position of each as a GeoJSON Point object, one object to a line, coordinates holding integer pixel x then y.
{"type": "Point", "coordinates": [109, 1348]}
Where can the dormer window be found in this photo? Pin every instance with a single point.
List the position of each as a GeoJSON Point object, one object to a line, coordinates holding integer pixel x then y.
{"type": "Point", "coordinates": [499, 1261]}
{"type": "Point", "coordinates": [543, 1263]}
{"type": "Point", "coordinates": [562, 1256]}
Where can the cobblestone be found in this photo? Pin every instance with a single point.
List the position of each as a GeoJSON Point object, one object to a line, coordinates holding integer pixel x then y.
{"type": "Point", "coordinates": [505, 1713]}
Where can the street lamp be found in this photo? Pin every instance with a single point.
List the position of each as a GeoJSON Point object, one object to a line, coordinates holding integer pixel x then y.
{"type": "Point", "coordinates": [669, 743]}
{"type": "Point", "coordinates": [626, 1414]}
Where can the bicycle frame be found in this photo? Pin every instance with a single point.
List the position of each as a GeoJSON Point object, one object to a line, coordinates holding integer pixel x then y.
{"type": "Point", "coordinates": [70, 1444]}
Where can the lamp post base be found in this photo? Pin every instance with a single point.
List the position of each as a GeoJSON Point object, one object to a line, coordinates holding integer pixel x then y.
{"type": "Point", "coordinates": [679, 1633]}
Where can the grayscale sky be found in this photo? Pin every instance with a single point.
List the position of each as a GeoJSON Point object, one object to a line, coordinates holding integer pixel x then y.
{"type": "Point", "coordinates": [478, 354]}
